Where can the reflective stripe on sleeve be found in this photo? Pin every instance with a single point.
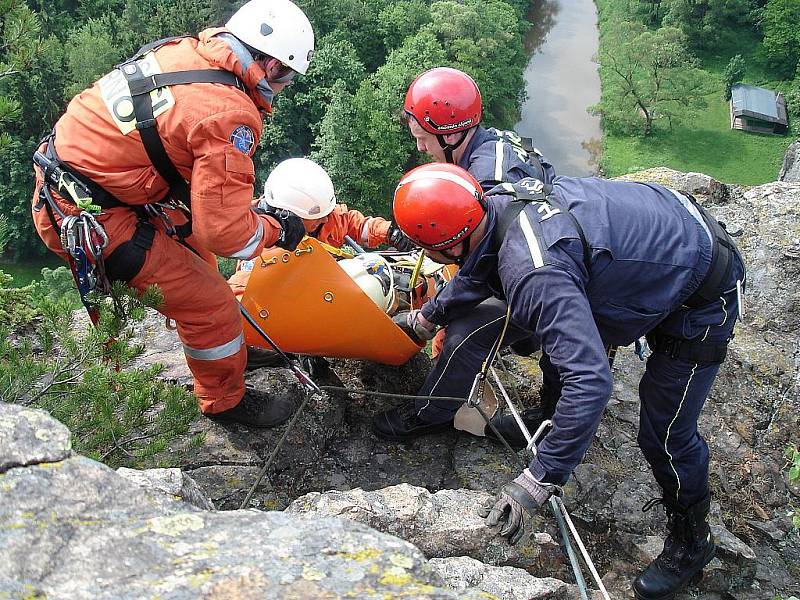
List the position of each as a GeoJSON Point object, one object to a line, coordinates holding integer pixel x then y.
{"type": "Point", "coordinates": [498, 160]}
{"type": "Point", "coordinates": [217, 352]}
{"type": "Point", "coordinates": [252, 243]}
{"type": "Point", "coordinates": [533, 243]}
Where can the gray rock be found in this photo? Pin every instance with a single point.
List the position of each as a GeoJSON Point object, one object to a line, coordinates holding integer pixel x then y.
{"type": "Point", "coordinates": [172, 482]}
{"type": "Point", "coordinates": [506, 583]}
{"type": "Point", "coordinates": [790, 169]}
{"type": "Point", "coordinates": [76, 529]}
{"type": "Point", "coordinates": [29, 436]}
{"type": "Point", "coordinates": [697, 184]}
{"type": "Point", "coordinates": [443, 524]}
{"type": "Point", "coordinates": [162, 346]}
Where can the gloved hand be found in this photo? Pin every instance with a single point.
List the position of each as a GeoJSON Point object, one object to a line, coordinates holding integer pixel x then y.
{"type": "Point", "coordinates": [292, 228]}
{"type": "Point", "coordinates": [397, 239]}
{"type": "Point", "coordinates": [515, 503]}
{"type": "Point", "coordinates": [417, 327]}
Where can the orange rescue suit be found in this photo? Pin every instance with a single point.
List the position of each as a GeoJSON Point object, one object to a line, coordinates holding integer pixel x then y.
{"type": "Point", "coordinates": [198, 124]}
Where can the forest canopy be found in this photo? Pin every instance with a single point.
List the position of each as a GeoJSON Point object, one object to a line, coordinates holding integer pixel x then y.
{"type": "Point", "coordinates": [344, 112]}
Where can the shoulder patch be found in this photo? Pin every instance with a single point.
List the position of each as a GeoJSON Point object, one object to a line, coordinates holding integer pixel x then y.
{"type": "Point", "coordinates": [243, 139]}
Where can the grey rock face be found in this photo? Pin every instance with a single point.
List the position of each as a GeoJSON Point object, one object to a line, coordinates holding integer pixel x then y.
{"type": "Point", "coordinates": [172, 482]}
{"type": "Point", "coordinates": [790, 169]}
{"type": "Point", "coordinates": [443, 524]}
{"type": "Point", "coordinates": [697, 184]}
{"type": "Point", "coordinates": [76, 529]}
{"type": "Point", "coordinates": [506, 583]}
{"type": "Point", "coordinates": [29, 436]}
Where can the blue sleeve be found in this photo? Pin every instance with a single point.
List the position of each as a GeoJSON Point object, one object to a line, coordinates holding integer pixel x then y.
{"type": "Point", "coordinates": [552, 303]}
{"type": "Point", "coordinates": [548, 170]}
{"type": "Point", "coordinates": [457, 298]}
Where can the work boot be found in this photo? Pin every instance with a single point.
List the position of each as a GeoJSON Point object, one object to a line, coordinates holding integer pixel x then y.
{"type": "Point", "coordinates": [507, 425]}
{"type": "Point", "coordinates": [687, 549]}
{"type": "Point", "coordinates": [256, 409]}
{"type": "Point", "coordinates": [258, 358]}
{"type": "Point", "coordinates": [403, 423]}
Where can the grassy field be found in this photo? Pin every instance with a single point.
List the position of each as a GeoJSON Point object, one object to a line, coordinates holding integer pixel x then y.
{"type": "Point", "coordinates": [704, 141]}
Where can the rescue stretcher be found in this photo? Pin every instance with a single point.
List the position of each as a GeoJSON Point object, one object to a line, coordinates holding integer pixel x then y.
{"type": "Point", "coordinates": [311, 303]}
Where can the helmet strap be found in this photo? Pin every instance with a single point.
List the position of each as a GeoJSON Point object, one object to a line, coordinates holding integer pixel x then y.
{"type": "Point", "coordinates": [449, 148]}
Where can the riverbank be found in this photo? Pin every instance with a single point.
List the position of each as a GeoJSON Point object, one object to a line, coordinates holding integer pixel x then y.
{"type": "Point", "coordinates": [703, 141]}
{"type": "Point", "coordinates": [28, 270]}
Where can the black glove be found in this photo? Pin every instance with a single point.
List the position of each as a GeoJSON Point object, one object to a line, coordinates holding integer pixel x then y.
{"type": "Point", "coordinates": [397, 239]}
{"type": "Point", "coordinates": [515, 503]}
{"type": "Point", "coordinates": [409, 322]}
{"type": "Point", "coordinates": [292, 228]}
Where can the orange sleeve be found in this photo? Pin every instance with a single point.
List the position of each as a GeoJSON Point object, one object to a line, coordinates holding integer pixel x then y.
{"type": "Point", "coordinates": [222, 186]}
{"type": "Point", "coordinates": [368, 231]}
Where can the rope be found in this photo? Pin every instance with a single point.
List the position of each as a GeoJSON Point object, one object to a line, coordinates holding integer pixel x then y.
{"type": "Point", "coordinates": [275, 450]}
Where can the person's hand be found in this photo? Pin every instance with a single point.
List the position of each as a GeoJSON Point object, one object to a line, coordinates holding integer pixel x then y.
{"type": "Point", "coordinates": [292, 228]}
{"type": "Point", "coordinates": [397, 239]}
{"type": "Point", "coordinates": [515, 504]}
{"type": "Point", "coordinates": [417, 327]}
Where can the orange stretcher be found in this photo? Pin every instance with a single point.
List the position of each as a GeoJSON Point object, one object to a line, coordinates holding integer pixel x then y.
{"type": "Point", "coordinates": [308, 305]}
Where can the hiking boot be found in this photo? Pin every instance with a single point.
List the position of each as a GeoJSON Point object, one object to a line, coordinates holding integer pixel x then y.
{"type": "Point", "coordinates": [687, 549]}
{"type": "Point", "coordinates": [256, 409]}
{"type": "Point", "coordinates": [258, 358]}
{"type": "Point", "coordinates": [403, 423]}
{"type": "Point", "coordinates": [508, 428]}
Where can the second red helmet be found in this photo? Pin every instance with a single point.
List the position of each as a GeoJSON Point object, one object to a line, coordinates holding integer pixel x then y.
{"type": "Point", "coordinates": [438, 205]}
{"type": "Point", "coordinates": [444, 100]}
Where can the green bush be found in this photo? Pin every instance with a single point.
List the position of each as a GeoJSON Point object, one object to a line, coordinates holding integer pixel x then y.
{"type": "Point", "coordinates": [81, 375]}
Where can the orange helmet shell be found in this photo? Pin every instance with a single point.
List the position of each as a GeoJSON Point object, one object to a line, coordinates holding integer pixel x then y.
{"type": "Point", "coordinates": [444, 100]}
{"type": "Point", "coordinates": [438, 205]}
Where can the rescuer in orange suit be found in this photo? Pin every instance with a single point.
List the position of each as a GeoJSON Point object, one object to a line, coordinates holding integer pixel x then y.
{"type": "Point", "coordinates": [155, 158]}
{"type": "Point", "coordinates": [304, 188]}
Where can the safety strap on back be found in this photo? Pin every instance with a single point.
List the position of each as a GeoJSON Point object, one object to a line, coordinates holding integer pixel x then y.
{"type": "Point", "coordinates": [140, 87]}
{"type": "Point", "coordinates": [525, 192]}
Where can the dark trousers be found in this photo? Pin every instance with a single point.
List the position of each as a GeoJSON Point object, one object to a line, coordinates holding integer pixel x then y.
{"type": "Point", "coordinates": [673, 391]}
{"type": "Point", "coordinates": [466, 345]}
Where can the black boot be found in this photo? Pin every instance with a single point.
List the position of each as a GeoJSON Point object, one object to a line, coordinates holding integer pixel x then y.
{"type": "Point", "coordinates": [256, 409]}
{"type": "Point", "coordinates": [507, 425]}
{"type": "Point", "coordinates": [258, 358]}
{"type": "Point", "coordinates": [403, 423]}
{"type": "Point", "coordinates": [687, 549]}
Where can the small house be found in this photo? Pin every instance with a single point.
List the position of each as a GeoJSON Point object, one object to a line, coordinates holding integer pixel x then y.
{"type": "Point", "coordinates": [758, 109]}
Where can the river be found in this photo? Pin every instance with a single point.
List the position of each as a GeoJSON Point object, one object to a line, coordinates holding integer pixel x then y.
{"type": "Point", "coordinates": [562, 81]}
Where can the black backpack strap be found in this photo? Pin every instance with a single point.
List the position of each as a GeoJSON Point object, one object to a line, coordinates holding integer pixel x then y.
{"type": "Point", "coordinates": [140, 87]}
{"type": "Point", "coordinates": [150, 47]}
{"type": "Point", "coordinates": [524, 192]}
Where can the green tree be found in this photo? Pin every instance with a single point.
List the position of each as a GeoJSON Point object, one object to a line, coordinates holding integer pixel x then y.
{"type": "Point", "coordinates": [652, 77]}
{"type": "Point", "coordinates": [781, 25]}
{"type": "Point", "coordinates": [733, 73]}
{"type": "Point", "coordinates": [708, 24]}
{"type": "Point", "coordinates": [90, 53]}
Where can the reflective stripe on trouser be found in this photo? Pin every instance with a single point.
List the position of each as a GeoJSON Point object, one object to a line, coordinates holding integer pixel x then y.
{"type": "Point", "coordinates": [467, 342]}
{"type": "Point", "coordinates": [672, 393]}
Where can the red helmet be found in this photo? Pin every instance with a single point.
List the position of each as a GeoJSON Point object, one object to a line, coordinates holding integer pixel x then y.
{"type": "Point", "coordinates": [444, 100]}
{"type": "Point", "coordinates": [438, 205]}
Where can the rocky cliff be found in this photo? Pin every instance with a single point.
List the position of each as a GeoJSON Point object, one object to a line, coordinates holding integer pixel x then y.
{"type": "Point", "coordinates": [340, 486]}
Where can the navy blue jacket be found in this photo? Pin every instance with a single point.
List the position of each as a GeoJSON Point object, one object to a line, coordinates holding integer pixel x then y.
{"type": "Point", "coordinates": [648, 254]}
{"type": "Point", "coordinates": [492, 159]}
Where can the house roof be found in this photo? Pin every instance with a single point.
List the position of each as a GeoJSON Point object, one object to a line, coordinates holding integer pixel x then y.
{"type": "Point", "coordinates": [758, 103]}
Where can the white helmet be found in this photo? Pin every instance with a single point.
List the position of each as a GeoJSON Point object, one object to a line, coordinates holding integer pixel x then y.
{"type": "Point", "coordinates": [373, 274]}
{"type": "Point", "coordinates": [277, 28]}
{"type": "Point", "coordinates": [302, 187]}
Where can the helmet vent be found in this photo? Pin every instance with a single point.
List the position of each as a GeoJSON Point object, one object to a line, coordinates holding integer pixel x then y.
{"type": "Point", "coordinates": [291, 57]}
{"type": "Point", "coordinates": [266, 29]}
